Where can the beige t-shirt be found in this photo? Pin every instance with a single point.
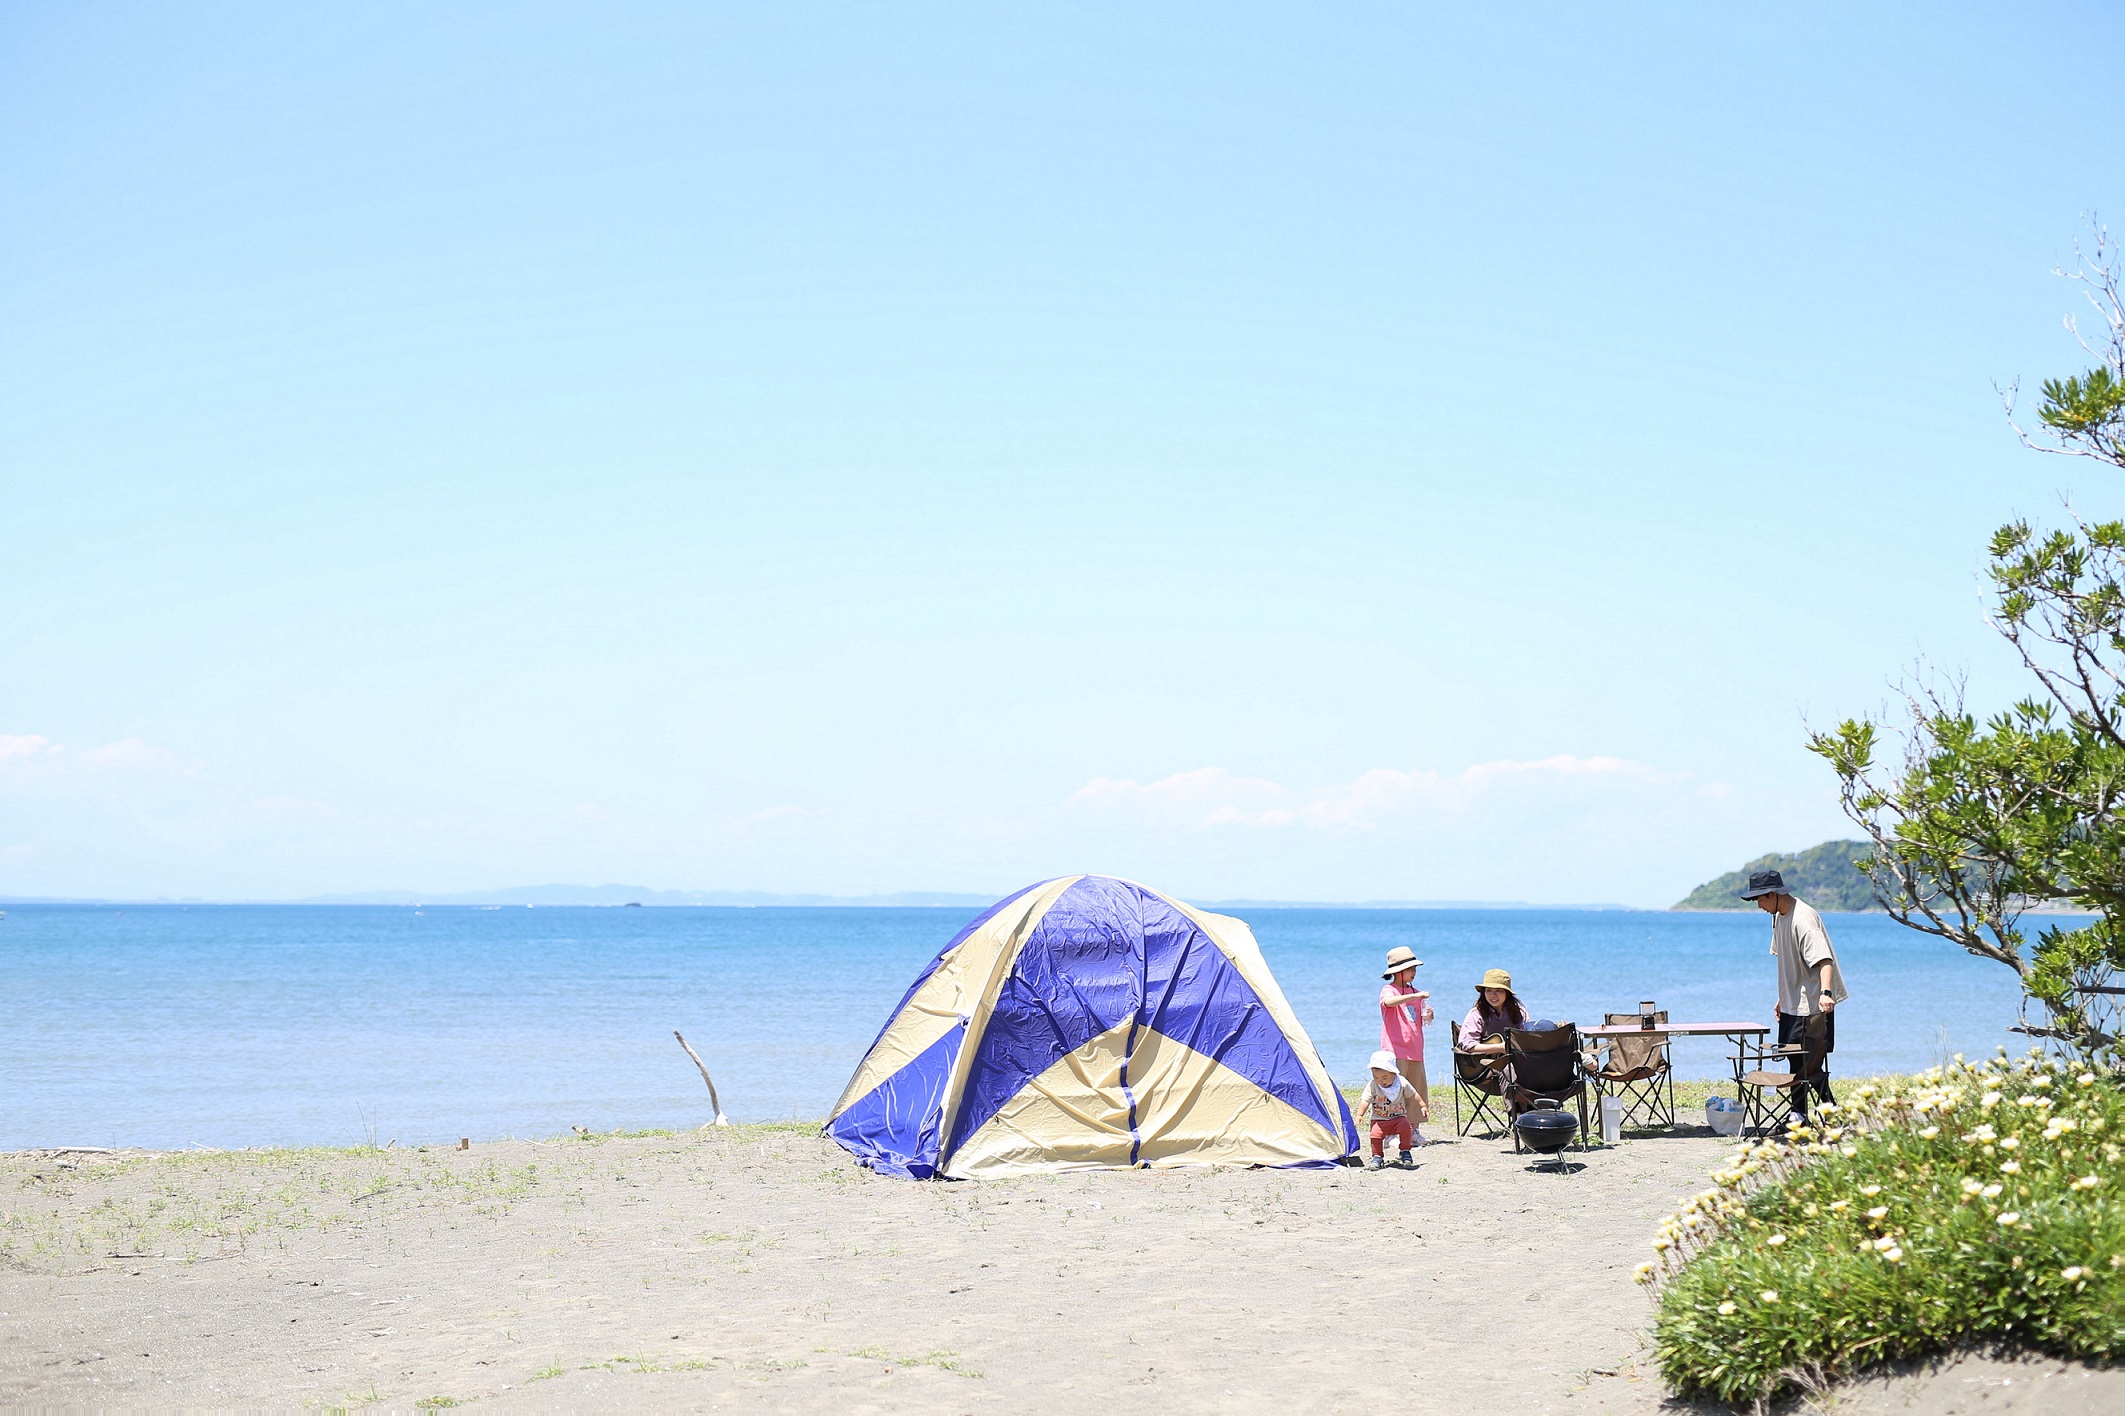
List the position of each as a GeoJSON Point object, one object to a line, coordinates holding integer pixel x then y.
{"type": "Point", "coordinates": [1800, 944]}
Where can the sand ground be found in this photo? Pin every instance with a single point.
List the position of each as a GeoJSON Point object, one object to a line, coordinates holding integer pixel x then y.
{"type": "Point", "coordinates": [756, 1268]}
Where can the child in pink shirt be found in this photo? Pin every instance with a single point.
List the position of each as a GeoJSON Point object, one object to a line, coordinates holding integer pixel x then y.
{"type": "Point", "coordinates": [1404, 1011]}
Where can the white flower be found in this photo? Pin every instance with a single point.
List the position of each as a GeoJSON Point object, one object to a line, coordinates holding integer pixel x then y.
{"type": "Point", "coordinates": [1894, 1256]}
{"type": "Point", "coordinates": [1769, 1295]}
{"type": "Point", "coordinates": [1644, 1272]}
{"type": "Point", "coordinates": [1992, 1191]}
{"type": "Point", "coordinates": [1848, 1151]}
{"type": "Point", "coordinates": [2008, 1219]}
{"type": "Point", "coordinates": [1726, 1310]}
{"type": "Point", "coordinates": [2012, 1167]}
{"type": "Point", "coordinates": [2008, 1143]}
{"type": "Point", "coordinates": [2072, 1272]}
{"type": "Point", "coordinates": [1870, 1190]}
{"type": "Point", "coordinates": [1990, 1100]}
{"type": "Point", "coordinates": [1776, 1239]}
{"type": "Point", "coordinates": [2086, 1079]}
{"type": "Point", "coordinates": [1885, 1243]}
{"type": "Point", "coordinates": [1878, 1212]}
{"type": "Point", "coordinates": [2087, 1182]}
{"type": "Point", "coordinates": [1929, 1133]}
{"type": "Point", "coordinates": [1971, 1187]}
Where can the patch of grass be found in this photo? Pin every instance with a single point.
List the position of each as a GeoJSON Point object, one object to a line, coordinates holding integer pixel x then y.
{"type": "Point", "coordinates": [1973, 1202]}
{"type": "Point", "coordinates": [549, 1372]}
{"type": "Point", "coordinates": [614, 1364]}
{"type": "Point", "coordinates": [434, 1403]}
{"type": "Point", "coordinates": [1690, 1097]}
{"type": "Point", "coordinates": [942, 1360]}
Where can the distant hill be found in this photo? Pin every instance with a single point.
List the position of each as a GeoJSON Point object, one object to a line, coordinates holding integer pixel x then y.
{"type": "Point", "coordinates": [1822, 875]}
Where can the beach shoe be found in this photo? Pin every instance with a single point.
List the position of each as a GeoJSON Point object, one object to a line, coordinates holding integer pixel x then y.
{"type": "Point", "coordinates": [1406, 1160]}
{"type": "Point", "coordinates": [1373, 1162]}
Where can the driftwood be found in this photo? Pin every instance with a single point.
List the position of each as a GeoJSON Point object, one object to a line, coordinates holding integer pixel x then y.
{"type": "Point", "coordinates": [721, 1119]}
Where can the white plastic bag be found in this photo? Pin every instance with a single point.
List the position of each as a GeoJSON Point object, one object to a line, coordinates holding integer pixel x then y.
{"type": "Point", "coordinates": [1723, 1115]}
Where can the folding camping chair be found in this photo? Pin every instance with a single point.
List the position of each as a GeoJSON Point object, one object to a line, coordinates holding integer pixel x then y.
{"type": "Point", "coordinates": [1767, 1096]}
{"type": "Point", "coordinates": [1481, 1078]}
{"type": "Point", "coordinates": [1635, 1070]}
{"type": "Point", "coordinates": [1544, 1066]}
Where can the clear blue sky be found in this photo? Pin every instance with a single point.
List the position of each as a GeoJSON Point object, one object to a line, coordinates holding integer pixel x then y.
{"type": "Point", "coordinates": [1380, 453]}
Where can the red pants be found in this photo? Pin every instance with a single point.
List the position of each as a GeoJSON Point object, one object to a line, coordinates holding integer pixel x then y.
{"type": "Point", "coordinates": [1397, 1126]}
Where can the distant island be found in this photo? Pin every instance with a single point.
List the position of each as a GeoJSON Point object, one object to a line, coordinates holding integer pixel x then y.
{"type": "Point", "coordinates": [1822, 875]}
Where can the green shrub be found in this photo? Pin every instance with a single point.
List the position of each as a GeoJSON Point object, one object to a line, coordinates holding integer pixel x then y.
{"type": "Point", "coordinates": [1981, 1201]}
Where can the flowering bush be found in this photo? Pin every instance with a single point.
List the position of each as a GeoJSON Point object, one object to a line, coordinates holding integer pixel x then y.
{"type": "Point", "coordinates": [1977, 1201]}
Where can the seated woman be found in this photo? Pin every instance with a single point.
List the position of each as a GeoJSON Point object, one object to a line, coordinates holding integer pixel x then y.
{"type": "Point", "coordinates": [1497, 1010]}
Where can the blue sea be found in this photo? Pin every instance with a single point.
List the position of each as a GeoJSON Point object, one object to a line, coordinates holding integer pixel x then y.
{"type": "Point", "coordinates": [251, 1025]}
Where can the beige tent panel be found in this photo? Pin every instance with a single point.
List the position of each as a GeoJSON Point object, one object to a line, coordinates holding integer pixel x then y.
{"type": "Point", "coordinates": [1191, 1110]}
{"type": "Point", "coordinates": [954, 991]}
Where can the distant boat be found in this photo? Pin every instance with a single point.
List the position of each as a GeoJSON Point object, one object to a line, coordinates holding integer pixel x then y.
{"type": "Point", "coordinates": [632, 905]}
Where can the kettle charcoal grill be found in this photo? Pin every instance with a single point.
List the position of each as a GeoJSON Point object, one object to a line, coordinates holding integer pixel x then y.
{"type": "Point", "coordinates": [1547, 1129]}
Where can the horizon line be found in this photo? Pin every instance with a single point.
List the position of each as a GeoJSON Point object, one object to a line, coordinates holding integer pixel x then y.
{"type": "Point", "coordinates": [621, 897]}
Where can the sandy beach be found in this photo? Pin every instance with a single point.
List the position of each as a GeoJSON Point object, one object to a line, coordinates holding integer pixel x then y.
{"type": "Point", "coordinates": [756, 1268]}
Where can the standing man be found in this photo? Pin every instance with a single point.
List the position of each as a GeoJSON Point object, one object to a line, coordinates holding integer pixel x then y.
{"type": "Point", "coordinates": [1810, 985]}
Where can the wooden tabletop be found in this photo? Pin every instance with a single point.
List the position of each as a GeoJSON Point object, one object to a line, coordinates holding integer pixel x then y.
{"type": "Point", "coordinates": [1678, 1030]}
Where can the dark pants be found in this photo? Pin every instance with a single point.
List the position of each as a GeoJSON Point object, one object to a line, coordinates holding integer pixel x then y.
{"type": "Point", "coordinates": [1813, 1060]}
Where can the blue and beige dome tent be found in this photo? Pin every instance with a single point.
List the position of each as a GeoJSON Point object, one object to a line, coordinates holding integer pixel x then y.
{"type": "Point", "coordinates": [1090, 1022]}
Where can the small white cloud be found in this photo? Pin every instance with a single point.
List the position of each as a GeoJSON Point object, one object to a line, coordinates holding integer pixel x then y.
{"type": "Point", "coordinates": [25, 745]}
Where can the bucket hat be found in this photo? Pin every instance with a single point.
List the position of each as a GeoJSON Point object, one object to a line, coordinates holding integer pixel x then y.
{"type": "Point", "coordinates": [1497, 978]}
{"type": "Point", "coordinates": [1399, 958]}
{"type": "Point", "coordinates": [1765, 882]}
{"type": "Point", "coordinates": [1384, 1060]}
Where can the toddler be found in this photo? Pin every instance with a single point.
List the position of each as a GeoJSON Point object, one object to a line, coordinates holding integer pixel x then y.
{"type": "Point", "coordinates": [1386, 1104]}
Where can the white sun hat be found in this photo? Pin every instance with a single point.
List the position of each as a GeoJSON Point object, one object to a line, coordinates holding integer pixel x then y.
{"type": "Point", "coordinates": [1384, 1060]}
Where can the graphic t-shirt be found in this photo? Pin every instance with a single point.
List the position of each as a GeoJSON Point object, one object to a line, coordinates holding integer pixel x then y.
{"type": "Point", "coordinates": [1401, 1026]}
{"type": "Point", "coordinates": [1385, 1105]}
